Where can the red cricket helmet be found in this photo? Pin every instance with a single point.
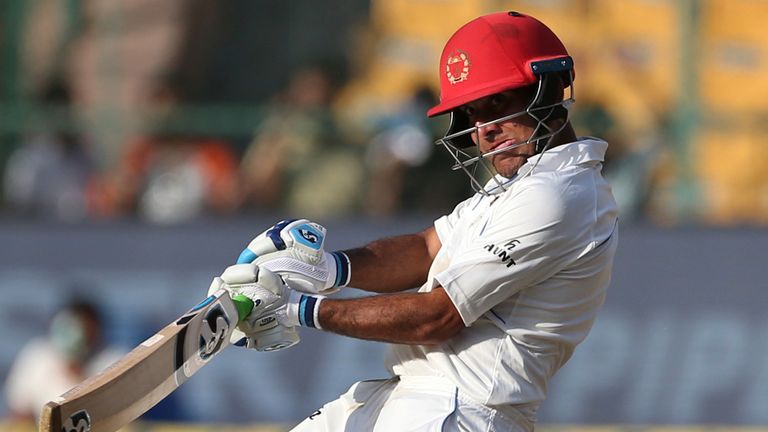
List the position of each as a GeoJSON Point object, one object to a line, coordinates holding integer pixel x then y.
{"type": "Point", "coordinates": [494, 53]}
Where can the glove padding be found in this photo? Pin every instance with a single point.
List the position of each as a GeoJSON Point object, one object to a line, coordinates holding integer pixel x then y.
{"type": "Point", "coordinates": [267, 327]}
{"type": "Point", "coordinates": [294, 250]}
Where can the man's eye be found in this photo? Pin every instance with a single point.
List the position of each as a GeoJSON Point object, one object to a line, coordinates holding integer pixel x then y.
{"type": "Point", "coordinates": [468, 111]}
{"type": "Point", "coordinates": [498, 100]}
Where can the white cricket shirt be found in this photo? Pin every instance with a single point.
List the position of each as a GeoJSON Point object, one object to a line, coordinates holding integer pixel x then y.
{"type": "Point", "coordinates": [527, 268]}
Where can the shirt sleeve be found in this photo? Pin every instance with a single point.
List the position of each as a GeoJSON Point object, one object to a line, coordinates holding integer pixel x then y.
{"type": "Point", "coordinates": [526, 241]}
{"type": "Point", "coordinates": [445, 225]}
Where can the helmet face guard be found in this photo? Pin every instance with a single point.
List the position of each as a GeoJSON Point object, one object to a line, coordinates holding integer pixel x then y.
{"type": "Point", "coordinates": [493, 54]}
{"type": "Point", "coordinates": [461, 137]}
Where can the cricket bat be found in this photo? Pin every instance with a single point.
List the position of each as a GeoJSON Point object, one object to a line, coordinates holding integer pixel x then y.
{"type": "Point", "coordinates": [150, 372]}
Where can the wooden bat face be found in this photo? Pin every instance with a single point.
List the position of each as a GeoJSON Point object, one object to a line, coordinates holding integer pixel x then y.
{"type": "Point", "coordinates": [146, 375]}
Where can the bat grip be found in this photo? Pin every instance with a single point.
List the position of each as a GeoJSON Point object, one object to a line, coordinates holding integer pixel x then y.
{"type": "Point", "coordinates": [244, 306]}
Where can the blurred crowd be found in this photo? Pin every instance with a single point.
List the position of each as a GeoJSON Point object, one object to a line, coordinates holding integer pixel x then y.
{"type": "Point", "coordinates": [297, 154]}
{"type": "Point", "coordinates": [300, 160]}
{"type": "Point", "coordinates": [172, 111]}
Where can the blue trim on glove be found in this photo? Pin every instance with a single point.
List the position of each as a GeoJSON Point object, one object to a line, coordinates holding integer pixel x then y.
{"type": "Point", "coordinates": [342, 269]}
{"type": "Point", "coordinates": [246, 257]}
{"type": "Point", "coordinates": [307, 306]}
{"type": "Point", "coordinates": [274, 233]}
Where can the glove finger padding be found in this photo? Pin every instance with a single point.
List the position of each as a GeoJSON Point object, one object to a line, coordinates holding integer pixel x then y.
{"type": "Point", "coordinates": [295, 250]}
{"type": "Point", "coordinates": [277, 338]}
{"type": "Point", "coordinates": [265, 288]}
{"type": "Point", "coordinates": [250, 323]}
{"type": "Point", "coordinates": [303, 240]}
{"type": "Point", "coordinates": [240, 274]}
{"type": "Point", "coordinates": [261, 329]}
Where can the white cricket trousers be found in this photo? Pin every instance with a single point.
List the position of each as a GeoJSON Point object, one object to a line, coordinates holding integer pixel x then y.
{"type": "Point", "coordinates": [408, 404]}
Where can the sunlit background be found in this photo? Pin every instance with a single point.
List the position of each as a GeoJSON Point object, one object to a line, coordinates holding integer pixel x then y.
{"type": "Point", "coordinates": [144, 142]}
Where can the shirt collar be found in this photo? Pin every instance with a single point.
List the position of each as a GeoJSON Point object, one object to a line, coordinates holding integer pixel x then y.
{"type": "Point", "coordinates": [583, 150]}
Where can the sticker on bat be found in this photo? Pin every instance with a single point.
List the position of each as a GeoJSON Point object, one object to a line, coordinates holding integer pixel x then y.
{"type": "Point", "coordinates": [77, 422]}
{"type": "Point", "coordinates": [193, 312]}
{"type": "Point", "coordinates": [213, 331]}
{"type": "Point", "coordinates": [197, 342]}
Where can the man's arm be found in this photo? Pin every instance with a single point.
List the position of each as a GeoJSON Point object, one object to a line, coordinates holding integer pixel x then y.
{"type": "Point", "coordinates": [394, 264]}
{"type": "Point", "coordinates": [385, 266]}
{"type": "Point", "coordinates": [405, 318]}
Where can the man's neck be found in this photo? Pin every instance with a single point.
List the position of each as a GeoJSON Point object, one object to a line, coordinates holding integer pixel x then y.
{"type": "Point", "coordinates": [565, 136]}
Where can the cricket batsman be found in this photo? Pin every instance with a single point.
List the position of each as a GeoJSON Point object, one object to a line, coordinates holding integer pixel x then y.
{"type": "Point", "coordinates": [508, 283]}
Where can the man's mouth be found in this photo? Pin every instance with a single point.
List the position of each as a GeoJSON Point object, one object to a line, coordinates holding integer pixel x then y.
{"type": "Point", "coordinates": [502, 145]}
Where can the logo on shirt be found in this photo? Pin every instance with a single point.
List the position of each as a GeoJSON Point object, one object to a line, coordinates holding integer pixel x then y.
{"type": "Point", "coordinates": [504, 252]}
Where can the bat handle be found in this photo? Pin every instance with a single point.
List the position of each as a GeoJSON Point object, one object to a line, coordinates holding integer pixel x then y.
{"type": "Point", "coordinates": [244, 306]}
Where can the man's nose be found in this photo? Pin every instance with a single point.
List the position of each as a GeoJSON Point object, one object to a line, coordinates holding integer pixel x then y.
{"type": "Point", "coordinates": [487, 131]}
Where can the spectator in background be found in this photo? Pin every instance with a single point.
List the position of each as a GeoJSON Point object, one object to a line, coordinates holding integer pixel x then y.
{"type": "Point", "coordinates": [297, 160]}
{"type": "Point", "coordinates": [404, 140]}
{"type": "Point", "coordinates": [48, 174]}
{"type": "Point", "coordinates": [170, 176]}
{"type": "Point", "coordinates": [405, 173]}
{"type": "Point", "coordinates": [46, 367]}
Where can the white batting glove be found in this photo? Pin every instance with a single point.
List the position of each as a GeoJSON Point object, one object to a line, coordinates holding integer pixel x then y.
{"type": "Point", "coordinates": [294, 250]}
{"type": "Point", "coordinates": [277, 308]}
{"type": "Point", "coordinates": [260, 330]}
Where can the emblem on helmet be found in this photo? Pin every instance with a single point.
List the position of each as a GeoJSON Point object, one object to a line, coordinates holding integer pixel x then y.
{"type": "Point", "coordinates": [457, 67]}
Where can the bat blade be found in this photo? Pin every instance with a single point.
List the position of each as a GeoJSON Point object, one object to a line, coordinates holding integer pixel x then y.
{"type": "Point", "coordinates": [150, 372]}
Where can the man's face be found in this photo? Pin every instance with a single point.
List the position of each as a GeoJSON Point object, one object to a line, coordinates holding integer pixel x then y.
{"type": "Point", "coordinates": [504, 134]}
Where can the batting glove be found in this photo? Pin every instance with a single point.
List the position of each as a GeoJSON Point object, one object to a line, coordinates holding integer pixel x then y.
{"type": "Point", "coordinates": [277, 309]}
{"type": "Point", "coordinates": [294, 249]}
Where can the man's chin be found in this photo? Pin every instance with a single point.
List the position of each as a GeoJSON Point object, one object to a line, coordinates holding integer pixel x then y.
{"type": "Point", "coordinates": [509, 166]}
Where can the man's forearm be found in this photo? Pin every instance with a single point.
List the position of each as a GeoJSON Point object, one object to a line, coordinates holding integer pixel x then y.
{"type": "Point", "coordinates": [391, 264]}
{"type": "Point", "coordinates": [404, 318]}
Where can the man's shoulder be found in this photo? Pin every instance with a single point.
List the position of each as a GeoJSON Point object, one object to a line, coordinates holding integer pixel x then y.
{"type": "Point", "coordinates": [536, 197]}
{"type": "Point", "coordinates": [549, 195]}
{"type": "Point", "coordinates": [539, 187]}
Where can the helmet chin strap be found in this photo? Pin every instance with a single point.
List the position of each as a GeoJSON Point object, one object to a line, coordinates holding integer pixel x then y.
{"type": "Point", "coordinates": [542, 144]}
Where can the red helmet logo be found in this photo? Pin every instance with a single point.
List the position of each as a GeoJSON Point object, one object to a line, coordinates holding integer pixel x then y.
{"type": "Point", "coordinates": [457, 67]}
